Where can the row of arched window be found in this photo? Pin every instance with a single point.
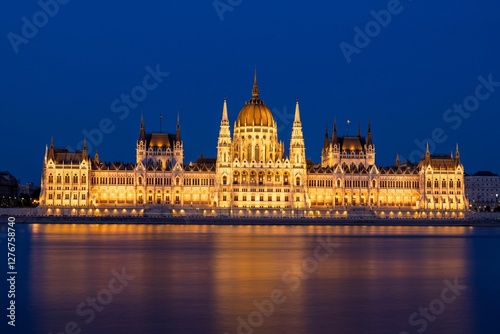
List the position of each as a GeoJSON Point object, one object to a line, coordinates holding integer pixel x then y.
{"type": "Point", "coordinates": [67, 179]}
{"type": "Point", "coordinates": [450, 183]}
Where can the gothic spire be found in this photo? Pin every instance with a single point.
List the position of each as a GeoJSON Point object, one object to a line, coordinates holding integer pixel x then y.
{"type": "Point", "coordinates": [84, 148]}
{"type": "Point", "coordinates": [178, 128]}
{"type": "Point", "coordinates": [255, 89]}
{"type": "Point", "coordinates": [142, 130]}
{"type": "Point", "coordinates": [457, 156]}
{"type": "Point", "coordinates": [297, 112]}
{"type": "Point", "coordinates": [369, 140]}
{"type": "Point", "coordinates": [334, 135]}
{"type": "Point", "coordinates": [224, 111]}
{"type": "Point", "coordinates": [51, 149]}
{"type": "Point", "coordinates": [326, 141]}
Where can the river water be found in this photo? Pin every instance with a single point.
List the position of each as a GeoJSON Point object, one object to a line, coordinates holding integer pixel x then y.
{"type": "Point", "coordinates": [130, 279]}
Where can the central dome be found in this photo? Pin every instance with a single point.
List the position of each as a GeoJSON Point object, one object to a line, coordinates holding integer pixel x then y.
{"type": "Point", "coordinates": [255, 112]}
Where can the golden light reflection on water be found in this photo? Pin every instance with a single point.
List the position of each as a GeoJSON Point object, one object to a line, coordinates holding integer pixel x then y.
{"type": "Point", "coordinates": [228, 268]}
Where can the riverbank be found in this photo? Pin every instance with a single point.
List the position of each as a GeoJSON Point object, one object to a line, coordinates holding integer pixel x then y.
{"type": "Point", "coordinates": [254, 221]}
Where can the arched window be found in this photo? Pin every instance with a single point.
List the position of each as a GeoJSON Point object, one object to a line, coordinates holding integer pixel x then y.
{"type": "Point", "coordinates": [459, 184]}
{"type": "Point", "coordinates": [84, 178]}
{"type": "Point", "coordinates": [66, 178]}
{"type": "Point", "coordinates": [429, 183]}
{"type": "Point", "coordinates": [139, 180]}
{"type": "Point", "coordinates": [236, 177]}
{"type": "Point", "coordinates": [451, 183]}
{"type": "Point", "coordinates": [436, 183]}
{"type": "Point", "coordinates": [285, 179]}
{"type": "Point", "coordinates": [224, 180]}
{"type": "Point", "coordinates": [75, 178]}
{"type": "Point", "coordinates": [297, 181]}
{"type": "Point", "coordinates": [177, 181]}
{"type": "Point", "coordinates": [51, 178]}
{"type": "Point", "coordinates": [374, 184]}
{"type": "Point", "coordinates": [58, 178]}
{"type": "Point", "coordinates": [443, 184]}
{"type": "Point", "coordinates": [252, 176]}
{"type": "Point", "coordinates": [339, 184]}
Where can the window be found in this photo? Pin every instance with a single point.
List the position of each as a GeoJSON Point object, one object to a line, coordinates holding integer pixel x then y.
{"type": "Point", "coordinates": [50, 196]}
{"type": "Point", "coordinates": [51, 178]}
{"type": "Point", "coordinates": [224, 180]}
{"type": "Point", "coordinates": [84, 178]}
{"type": "Point", "coordinates": [75, 178]}
{"type": "Point", "coordinates": [297, 181]}
{"type": "Point", "coordinates": [58, 178]}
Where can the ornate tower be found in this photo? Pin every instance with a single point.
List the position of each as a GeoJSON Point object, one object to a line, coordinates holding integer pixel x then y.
{"type": "Point", "coordinates": [178, 146]}
{"type": "Point", "coordinates": [224, 160]}
{"type": "Point", "coordinates": [140, 151]}
{"type": "Point", "coordinates": [297, 147]}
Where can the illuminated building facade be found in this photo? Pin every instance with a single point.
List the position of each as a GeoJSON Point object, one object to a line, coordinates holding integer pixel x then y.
{"type": "Point", "coordinates": [252, 177]}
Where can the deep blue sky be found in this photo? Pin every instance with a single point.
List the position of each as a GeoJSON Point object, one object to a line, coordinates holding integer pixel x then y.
{"type": "Point", "coordinates": [427, 58]}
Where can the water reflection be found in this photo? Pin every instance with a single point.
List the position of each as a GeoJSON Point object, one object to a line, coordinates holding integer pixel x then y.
{"type": "Point", "coordinates": [208, 279]}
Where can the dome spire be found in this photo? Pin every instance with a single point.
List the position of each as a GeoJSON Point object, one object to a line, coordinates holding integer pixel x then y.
{"type": "Point", "coordinates": [297, 111]}
{"type": "Point", "coordinates": [255, 89]}
{"type": "Point", "coordinates": [224, 111]}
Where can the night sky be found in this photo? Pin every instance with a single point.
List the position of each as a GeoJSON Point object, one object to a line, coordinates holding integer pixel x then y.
{"type": "Point", "coordinates": [67, 77]}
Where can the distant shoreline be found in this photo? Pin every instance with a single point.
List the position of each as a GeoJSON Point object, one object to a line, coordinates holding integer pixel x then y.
{"type": "Point", "coordinates": [254, 221]}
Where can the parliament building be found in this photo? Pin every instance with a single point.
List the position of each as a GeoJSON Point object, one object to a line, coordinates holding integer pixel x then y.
{"type": "Point", "coordinates": [252, 177]}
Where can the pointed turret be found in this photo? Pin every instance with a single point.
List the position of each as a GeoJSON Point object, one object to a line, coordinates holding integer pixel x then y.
{"type": "Point", "coordinates": [51, 154]}
{"type": "Point", "coordinates": [225, 118]}
{"type": "Point", "coordinates": [142, 130]}
{"type": "Point", "coordinates": [335, 139]}
{"type": "Point", "coordinates": [457, 156]}
{"type": "Point", "coordinates": [96, 156]}
{"type": "Point", "coordinates": [427, 156]}
{"type": "Point", "coordinates": [359, 129]}
{"type": "Point", "coordinates": [369, 140]}
{"type": "Point", "coordinates": [84, 149]}
{"type": "Point", "coordinates": [327, 140]}
{"type": "Point", "coordinates": [297, 112]}
{"type": "Point", "coordinates": [397, 160]}
{"type": "Point", "coordinates": [178, 129]}
{"type": "Point", "coordinates": [255, 89]}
